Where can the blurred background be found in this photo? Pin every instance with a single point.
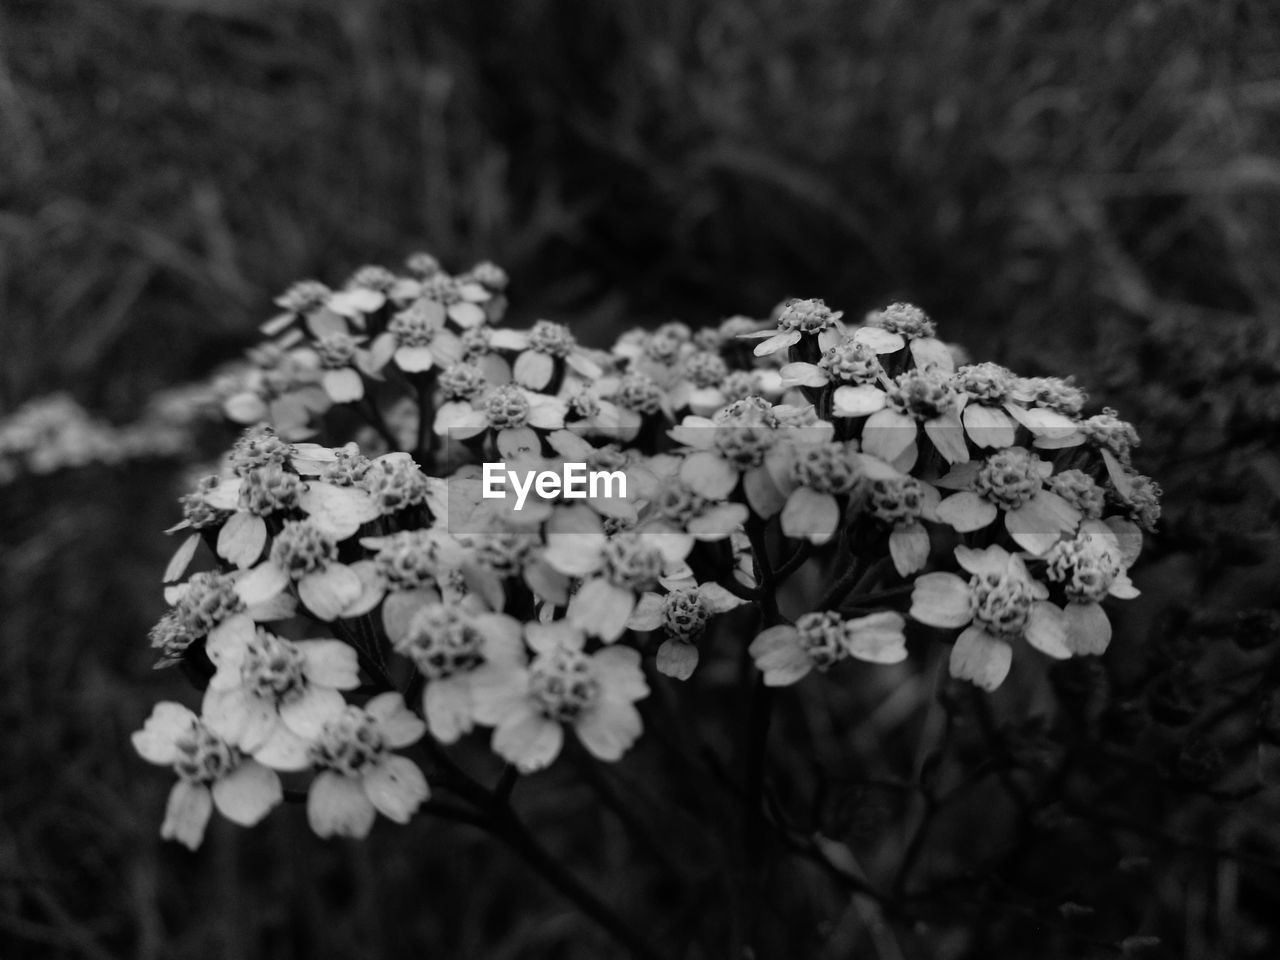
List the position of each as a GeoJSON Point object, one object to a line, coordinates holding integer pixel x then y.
{"type": "Point", "coordinates": [1088, 187]}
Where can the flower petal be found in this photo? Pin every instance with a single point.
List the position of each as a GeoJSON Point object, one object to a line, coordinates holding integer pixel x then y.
{"type": "Point", "coordinates": [601, 609]}
{"type": "Point", "coordinates": [941, 600]}
{"type": "Point", "coordinates": [396, 787]}
{"type": "Point", "coordinates": [337, 806]}
{"type": "Point", "coordinates": [810, 515]}
{"type": "Point", "coordinates": [248, 793]}
{"type": "Point", "coordinates": [778, 655]}
{"type": "Point", "coordinates": [447, 705]}
{"type": "Point", "coordinates": [306, 715]}
{"type": "Point", "coordinates": [859, 401]}
{"type": "Point", "coordinates": [966, 511]}
{"type": "Point", "coordinates": [877, 638]}
{"type": "Point", "coordinates": [709, 475]}
{"type": "Point", "coordinates": [888, 434]}
{"type": "Point", "coordinates": [187, 814]}
{"type": "Point", "coordinates": [677, 659]}
{"type": "Point", "coordinates": [528, 739]}
{"type": "Point", "coordinates": [327, 593]}
{"type": "Point", "coordinates": [330, 663]}
{"type": "Point", "coordinates": [1088, 628]}
{"type": "Point", "coordinates": [1047, 630]}
{"type": "Point", "coordinates": [980, 658]}
{"type": "Point", "coordinates": [156, 742]}
{"type": "Point", "coordinates": [909, 548]}
{"type": "Point", "coordinates": [241, 539]}
{"type": "Point", "coordinates": [608, 728]}
{"type": "Point", "coordinates": [989, 426]}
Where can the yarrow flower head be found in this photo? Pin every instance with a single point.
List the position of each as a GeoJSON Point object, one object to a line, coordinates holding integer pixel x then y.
{"type": "Point", "coordinates": [800, 478]}
{"type": "Point", "coordinates": [798, 319]}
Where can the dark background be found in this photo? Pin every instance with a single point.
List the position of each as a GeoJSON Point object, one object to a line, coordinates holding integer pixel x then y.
{"type": "Point", "coordinates": [1088, 187]}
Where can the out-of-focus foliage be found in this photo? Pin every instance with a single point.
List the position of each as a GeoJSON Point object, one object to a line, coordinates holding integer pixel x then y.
{"type": "Point", "coordinates": [1092, 180]}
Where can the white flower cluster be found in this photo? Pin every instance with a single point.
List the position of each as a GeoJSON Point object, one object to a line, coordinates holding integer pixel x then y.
{"type": "Point", "coordinates": [853, 461]}
{"type": "Point", "coordinates": [53, 432]}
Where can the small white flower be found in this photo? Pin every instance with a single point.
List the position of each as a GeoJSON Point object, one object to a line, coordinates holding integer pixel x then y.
{"type": "Point", "coordinates": [1000, 602]}
{"type": "Point", "coordinates": [211, 773]}
{"type": "Point", "coordinates": [359, 775]}
{"type": "Point", "coordinates": [528, 704]}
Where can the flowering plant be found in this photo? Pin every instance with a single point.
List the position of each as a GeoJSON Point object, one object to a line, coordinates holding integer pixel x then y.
{"type": "Point", "coordinates": [803, 492]}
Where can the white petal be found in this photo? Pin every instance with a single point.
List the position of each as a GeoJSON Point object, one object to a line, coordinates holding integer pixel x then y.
{"type": "Point", "coordinates": [330, 663]}
{"type": "Point", "coordinates": [879, 339]}
{"type": "Point", "coordinates": [601, 609]}
{"type": "Point", "coordinates": [810, 515]}
{"type": "Point", "coordinates": [931, 352]}
{"type": "Point", "coordinates": [241, 539]}
{"type": "Point", "coordinates": [306, 715]}
{"type": "Point", "coordinates": [284, 750]}
{"type": "Point", "coordinates": [528, 740]}
{"type": "Point", "coordinates": [989, 426]}
{"type": "Point", "coordinates": [648, 613]}
{"type": "Point", "coordinates": [448, 707]}
{"type": "Point", "coordinates": [414, 359]}
{"type": "Point", "coordinates": [859, 401]}
{"type": "Point", "coordinates": [1088, 629]}
{"type": "Point", "coordinates": [940, 600]}
{"type": "Point", "coordinates": [187, 814]}
{"type": "Point", "coordinates": [980, 658]}
{"type": "Point", "coordinates": [262, 583]}
{"type": "Point", "coordinates": [1047, 630]}
{"type": "Point", "coordinates": [803, 375]}
{"type": "Point", "coordinates": [966, 511]}
{"type": "Point", "coordinates": [499, 691]}
{"type": "Point", "coordinates": [909, 548]}
{"type": "Point", "coordinates": [329, 592]}
{"type": "Point", "coordinates": [618, 669]}
{"type": "Point", "coordinates": [608, 728]}
{"type": "Point", "coordinates": [343, 386]}
{"type": "Point", "coordinates": [947, 434]}
{"type": "Point", "coordinates": [888, 434]}
{"type": "Point", "coordinates": [396, 788]}
{"type": "Point", "coordinates": [709, 475]}
{"type": "Point", "coordinates": [248, 793]}
{"type": "Point", "coordinates": [182, 558]}
{"type": "Point", "coordinates": [533, 369]}
{"type": "Point", "coordinates": [156, 741]}
{"type": "Point", "coordinates": [762, 492]}
{"type": "Point", "coordinates": [677, 659]}
{"type": "Point", "coordinates": [877, 638]}
{"type": "Point", "coordinates": [338, 806]}
{"type": "Point", "coordinates": [398, 724]}
{"type": "Point", "coordinates": [337, 511]}
{"type": "Point", "coordinates": [778, 656]}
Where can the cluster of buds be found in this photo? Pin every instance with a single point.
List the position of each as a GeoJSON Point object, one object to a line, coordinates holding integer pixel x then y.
{"type": "Point", "coordinates": [867, 493]}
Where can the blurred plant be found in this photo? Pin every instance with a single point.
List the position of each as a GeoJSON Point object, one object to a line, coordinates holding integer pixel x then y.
{"type": "Point", "coordinates": [857, 486]}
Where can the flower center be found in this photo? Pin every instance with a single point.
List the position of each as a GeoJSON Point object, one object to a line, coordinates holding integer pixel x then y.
{"type": "Point", "coordinates": [441, 642]}
{"type": "Point", "coordinates": [821, 635]}
{"type": "Point", "coordinates": [272, 667]}
{"type": "Point", "coordinates": [1009, 478]}
{"type": "Point", "coordinates": [563, 684]}
{"type": "Point", "coordinates": [685, 615]}
{"type": "Point", "coordinates": [300, 548]}
{"type": "Point", "coordinates": [1001, 602]}
{"type": "Point", "coordinates": [203, 756]}
{"type": "Point", "coordinates": [825, 467]}
{"type": "Point", "coordinates": [507, 408]}
{"type": "Point", "coordinates": [923, 394]}
{"type": "Point", "coordinates": [630, 562]}
{"type": "Point", "coordinates": [348, 743]}
{"type": "Point", "coordinates": [850, 362]}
